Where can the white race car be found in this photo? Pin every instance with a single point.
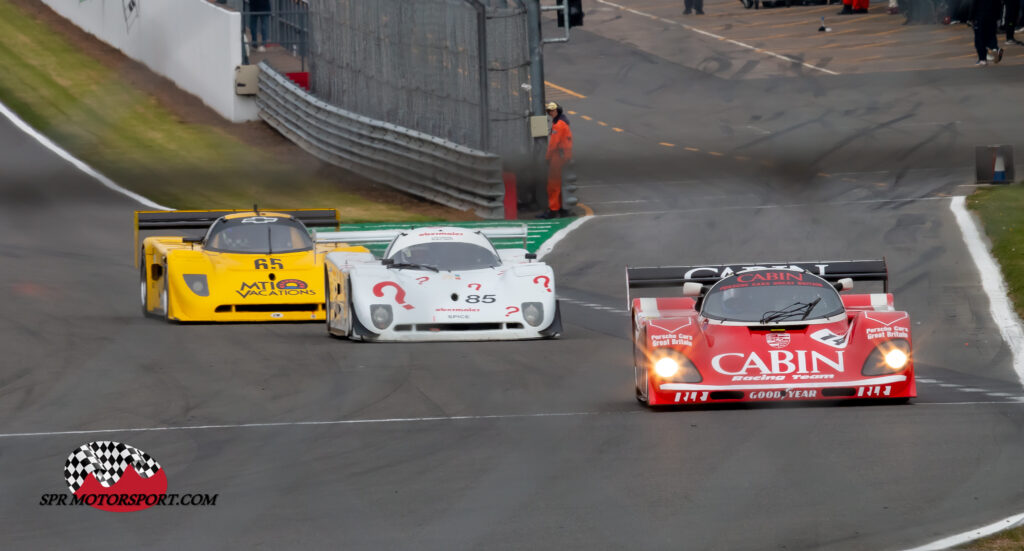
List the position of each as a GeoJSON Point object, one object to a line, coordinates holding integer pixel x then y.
{"type": "Point", "coordinates": [440, 284]}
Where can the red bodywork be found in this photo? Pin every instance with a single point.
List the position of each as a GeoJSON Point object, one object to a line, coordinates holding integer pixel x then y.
{"type": "Point", "coordinates": [739, 363]}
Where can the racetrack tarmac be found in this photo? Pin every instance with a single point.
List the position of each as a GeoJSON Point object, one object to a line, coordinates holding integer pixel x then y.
{"type": "Point", "coordinates": [512, 445]}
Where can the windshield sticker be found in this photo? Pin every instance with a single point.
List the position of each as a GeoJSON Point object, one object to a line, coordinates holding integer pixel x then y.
{"type": "Point", "coordinates": [259, 220]}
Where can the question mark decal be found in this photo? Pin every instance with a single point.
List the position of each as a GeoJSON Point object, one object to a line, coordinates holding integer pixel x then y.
{"type": "Point", "coordinates": [474, 286]}
{"type": "Point", "coordinates": [378, 291]}
{"type": "Point", "coordinates": [546, 281]}
{"type": "Point", "coordinates": [511, 310]}
{"type": "Point", "coordinates": [423, 279]}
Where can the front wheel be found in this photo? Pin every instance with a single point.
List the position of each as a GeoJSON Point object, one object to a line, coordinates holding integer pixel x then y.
{"type": "Point", "coordinates": [165, 297]}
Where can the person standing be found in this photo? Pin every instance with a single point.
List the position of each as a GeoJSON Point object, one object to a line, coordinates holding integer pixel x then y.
{"type": "Point", "coordinates": [690, 6]}
{"type": "Point", "coordinates": [985, 14]}
{"type": "Point", "coordinates": [259, 23]}
{"type": "Point", "coordinates": [1012, 13]}
{"type": "Point", "coordinates": [558, 155]}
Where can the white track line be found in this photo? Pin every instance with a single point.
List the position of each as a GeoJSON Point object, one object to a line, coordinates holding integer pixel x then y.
{"type": "Point", "coordinates": [1010, 329]}
{"type": "Point", "coordinates": [718, 37]}
{"type": "Point", "coordinates": [315, 423]}
{"type": "Point", "coordinates": [765, 207]}
{"type": "Point", "coordinates": [971, 535]}
{"type": "Point", "coordinates": [992, 282]}
{"type": "Point", "coordinates": [561, 234]}
{"type": "Point", "coordinates": [48, 144]}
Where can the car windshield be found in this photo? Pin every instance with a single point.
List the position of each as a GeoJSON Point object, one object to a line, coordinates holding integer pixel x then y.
{"type": "Point", "coordinates": [258, 235]}
{"type": "Point", "coordinates": [447, 256]}
{"type": "Point", "coordinates": [772, 296]}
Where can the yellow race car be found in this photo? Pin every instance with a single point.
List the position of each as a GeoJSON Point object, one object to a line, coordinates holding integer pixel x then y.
{"type": "Point", "coordinates": [248, 266]}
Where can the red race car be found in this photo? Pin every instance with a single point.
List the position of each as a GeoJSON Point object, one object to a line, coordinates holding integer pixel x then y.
{"type": "Point", "coordinates": [769, 332]}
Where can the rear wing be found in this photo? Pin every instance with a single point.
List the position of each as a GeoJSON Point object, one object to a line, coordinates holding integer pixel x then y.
{"type": "Point", "coordinates": [669, 276]}
{"type": "Point", "coordinates": [369, 237]}
{"type": "Point", "coordinates": [161, 220]}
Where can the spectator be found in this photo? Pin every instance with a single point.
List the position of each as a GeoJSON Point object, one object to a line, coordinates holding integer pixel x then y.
{"type": "Point", "coordinates": [985, 14]}
{"type": "Point", "coordinates": [558, 155]}
{"type": "Point", "coordinates": [693, 5]}
{"type": "Point", "coordinates": [1012, 12]}
{"type": "Point", "coordinates": [259, 23]}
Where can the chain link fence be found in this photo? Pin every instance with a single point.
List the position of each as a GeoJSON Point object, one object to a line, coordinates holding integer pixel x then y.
{"type": "Point", "coordinates": [454, 69]}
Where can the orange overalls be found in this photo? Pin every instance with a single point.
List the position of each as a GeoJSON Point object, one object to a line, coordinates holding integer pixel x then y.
{"type": "Point", "coordinates": [559, 153]}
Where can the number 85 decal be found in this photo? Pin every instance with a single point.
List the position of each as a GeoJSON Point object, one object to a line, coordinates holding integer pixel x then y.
{"type": "Point", "coordinates": [474, 299]}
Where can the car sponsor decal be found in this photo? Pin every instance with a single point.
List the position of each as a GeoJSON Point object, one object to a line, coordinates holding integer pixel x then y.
{"type": "Point", "coordinates": [269, 289]}
{"type": "Point", "coordinates": [889, 329]}
{"type": "Point", "coordinates": [292, 284]}
{"type": "Point", "coordinates": [796, 363]}
{"type": "Point", "coordinates": [259, 220]}
{"type": "Point", "coordinates": [546, 279]}
{"type": "Point", "coordinates": [781, 394]}
{"type": "Point", "coordinates": [456, 313]}
{"type": "Point", "coordinates": [378, 291]}
{"type": "Point", "coordinates": [692, 396]}
{"type": "Point", "coordinates": [870, 391]}
{"type": "Point", "coordinates": [825, 336]}
{"type": "Point", "coordinates": [730, 270]}
{"type": "Point", "coordinates": [777, 339]}
{"type": "Point", "coordinates": [671, 339]}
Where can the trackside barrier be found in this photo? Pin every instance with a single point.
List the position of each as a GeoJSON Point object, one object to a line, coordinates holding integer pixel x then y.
{"type": "Point", "coordinates": [414, 162]}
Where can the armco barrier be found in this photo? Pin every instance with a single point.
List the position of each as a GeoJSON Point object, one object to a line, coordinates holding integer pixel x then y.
{"type": "Point", "coordinates": [411, 161]}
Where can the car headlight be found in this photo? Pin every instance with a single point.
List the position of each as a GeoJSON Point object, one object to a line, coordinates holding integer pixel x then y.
{"type": "Point", "coordinates": [888, 357]}
{"type": "Point", "coordinates": [197, 284]}
{"type": "Point", "coordinates": [675, 366]}
{"type": "Point", "coordinates": [381, 315]}
{"type": "Point", "coordinates": [666, 367]}
{"type": "Point", "coordinates": [533, 313]}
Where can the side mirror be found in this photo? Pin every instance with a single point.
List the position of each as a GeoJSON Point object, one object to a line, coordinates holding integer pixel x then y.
{"type": "Point", "coordinates": [531, 256]}
{"type": "Point", "coordinates": [387, 261]}
{"type": "Point", "coordinates": [192, 239]}
{"type": "Point", "coordinates": [692, 289]}
{"type": "Point", "coordinates": [844, 284]}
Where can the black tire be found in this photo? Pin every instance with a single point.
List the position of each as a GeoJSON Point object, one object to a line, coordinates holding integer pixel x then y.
{"type": "Point", "coordinates": [144, 286]}
{"type": "Point", "coordinates": [165, 296]}
{"type": "Point", "coordinates": [747, 3]}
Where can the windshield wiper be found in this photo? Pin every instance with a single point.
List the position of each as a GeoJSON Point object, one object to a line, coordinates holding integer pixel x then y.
{"type": "Point", "coordinates": [411, 266]}
{"type": "Point", "coordinates": [802, 309]}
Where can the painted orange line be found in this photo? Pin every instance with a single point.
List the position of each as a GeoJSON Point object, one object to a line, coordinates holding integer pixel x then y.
{"type": "Point", "coordinates": [666, 144]}
{"type": "Point", "coordinates": [586, 118]}
{"type": "Point", "coordinates": [602, 123]}
{"type": "Point", "coordinates": [565, 90]}
{"type": "Point", "coordinates": [716, 154]}
{"type": "Point", "coordinates": [617, 129]}
{"type": "Point", "coordinates": [587, 211]}
{"type": "Point", "coordinates": [692, 149]}
{"type": "Point", "coordinates": [571, 112]}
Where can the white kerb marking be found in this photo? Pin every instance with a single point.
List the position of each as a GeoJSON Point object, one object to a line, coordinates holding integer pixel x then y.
{"type": "Point", "coordinates": [992, 283]}
{"type": "Point", "coordinates": [561, 234]}
{"type": "Point", "coordinates": [80, 165]}
{"type": "Point", "coordinates": [971, 535]}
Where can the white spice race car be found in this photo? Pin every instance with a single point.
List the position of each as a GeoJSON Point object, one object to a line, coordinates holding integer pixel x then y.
{"type": "Point", "coordinates": [439, 284]}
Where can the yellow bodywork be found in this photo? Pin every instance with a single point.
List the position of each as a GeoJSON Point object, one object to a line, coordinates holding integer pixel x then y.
{"type": "Point", "coordinates": [238, 287]}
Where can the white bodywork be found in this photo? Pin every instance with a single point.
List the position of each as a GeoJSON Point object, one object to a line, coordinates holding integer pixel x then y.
{"type": "Point", "coordinates": [464, 305]}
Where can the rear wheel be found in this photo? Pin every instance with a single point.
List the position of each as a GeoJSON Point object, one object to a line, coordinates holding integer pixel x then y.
{"type": "Point", "coordinates": [165, 298]}
{"type": "Point", "coordinates": [144, 288]}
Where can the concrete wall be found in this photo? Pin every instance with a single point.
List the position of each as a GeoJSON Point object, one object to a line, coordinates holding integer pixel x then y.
{"type": "Point", "coordinates": [194, 43]}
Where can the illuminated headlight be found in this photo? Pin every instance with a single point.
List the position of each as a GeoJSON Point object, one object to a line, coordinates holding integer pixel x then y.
{"type": "Point", "coordinates": [896, 358]}
{"type": "Point", "coordinates": [666, 367]}
{"type": "Point", "coordinates": [197, 284]}
{"type": "Point", "coordinates": [381, 315]}
{"type": "Point", "coordinates": [533, 313]}
{"type": "Point", "coordinates": [887, 358]}
{"type": "Point", "coordinates": [675, 366]}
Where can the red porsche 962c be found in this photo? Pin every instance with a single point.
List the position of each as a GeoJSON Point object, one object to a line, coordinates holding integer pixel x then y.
{"type": "Point", "coordinates": [769, 332]}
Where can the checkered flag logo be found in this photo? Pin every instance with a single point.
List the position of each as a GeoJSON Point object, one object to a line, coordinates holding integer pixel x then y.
{"type": "Point", "coordinates": [107, 461]}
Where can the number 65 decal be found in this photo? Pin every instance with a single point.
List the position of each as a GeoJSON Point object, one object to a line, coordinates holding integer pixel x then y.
{"type": "Point", "coordinates": [261, 264]}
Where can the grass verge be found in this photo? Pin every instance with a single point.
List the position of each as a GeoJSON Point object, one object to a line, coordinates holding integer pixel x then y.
{"type": "Point", "coordinates": [1001, 209]}
{"type": "Point", "coordinates": [91, 110]}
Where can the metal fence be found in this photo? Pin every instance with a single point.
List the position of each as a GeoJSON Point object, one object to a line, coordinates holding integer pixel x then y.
{"type": "Point", "coordinates": [412, 161]}
{"type": "Point", "coordinates": [449, 68]}
{"type": "Point", "coordinates": [276, 33]}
